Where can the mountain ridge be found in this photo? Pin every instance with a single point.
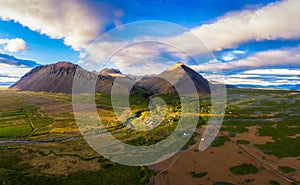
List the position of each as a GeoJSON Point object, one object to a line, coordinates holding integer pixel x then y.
{"type": "Point", "coordinates": [59, 78]}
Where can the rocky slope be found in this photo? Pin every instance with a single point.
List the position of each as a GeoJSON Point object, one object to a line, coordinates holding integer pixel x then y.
{"type": "Point", "coordinates": [59, 78]}
{"type": "Point", "coordinates": [178, 75]}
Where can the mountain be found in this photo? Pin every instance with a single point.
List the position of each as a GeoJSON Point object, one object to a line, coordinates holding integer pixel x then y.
{"type": "Point", "coordinates": [109, 71]}
{"type": "Point", "coordinates": [58, 78]}
{"type": "Point", "coordinates": [118, 73]}
{"type": "Point", "coordinates": [179, 75]}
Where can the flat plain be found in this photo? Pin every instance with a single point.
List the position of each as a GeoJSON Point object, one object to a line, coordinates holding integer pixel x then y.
{"type": "Point", "coordinates": [41, 143]}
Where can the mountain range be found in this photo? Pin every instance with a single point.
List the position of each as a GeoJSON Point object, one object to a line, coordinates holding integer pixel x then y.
{"type": "Point", "coordinates": [59, 78]}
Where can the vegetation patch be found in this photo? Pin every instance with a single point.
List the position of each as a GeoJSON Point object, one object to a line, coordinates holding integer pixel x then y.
{"type": "Point", "coordinates": [244, 169]}
{"type": "Point", "coordinates": [285, 147]}
{"type": "Point", "coordinates": [222, 183]}
{"type": "Point", "coordinates": [219, 141]}
{"type": "Point", "coordinates": [117, 174]}
{"type": "Point", "coordinates": [286, 169]}
{"type": "Point", "coordinates": [15, 131]}
{"type": "Point", "coordinates": [242, 142]}
{"type": "Point", "coordinates": [198, 175]}
{"type": "Point", "coordinates": [274, 183]}
{"type": "Point", "coordinates": [236, 129]}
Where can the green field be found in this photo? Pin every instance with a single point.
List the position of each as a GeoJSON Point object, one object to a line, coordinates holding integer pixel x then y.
{"type": "Point", "coordinates": [274, 112]}
{"type": "Point", "coordinates": [46, 120]}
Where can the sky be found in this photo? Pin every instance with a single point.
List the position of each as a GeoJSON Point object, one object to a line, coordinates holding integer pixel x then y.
{"type": "Point", "coordinates": [254, 43]}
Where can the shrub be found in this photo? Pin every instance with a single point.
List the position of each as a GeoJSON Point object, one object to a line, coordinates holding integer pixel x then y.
{"type": "Point", "coordinates": [219, 141]}
{"type": "Point", "coordinates": [198, 175]}
{"type": "Point", "coordinates": [244, 169]}
{"type": "Point", "coordinates": [286, 169]}
{"type": "Point", "coordinates": [274, 183]}
{"type": "Point", "coordinates": [242, 142]}
{"type": "Point", "coordinates": [222, 183]}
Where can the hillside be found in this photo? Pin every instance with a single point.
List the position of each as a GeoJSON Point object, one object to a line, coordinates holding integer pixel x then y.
{"type": "Point", "coordinates": [59, 78]}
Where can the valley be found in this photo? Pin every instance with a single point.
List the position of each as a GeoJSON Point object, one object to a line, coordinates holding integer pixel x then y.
{"type": "Point", "coordinates": [40, 140]}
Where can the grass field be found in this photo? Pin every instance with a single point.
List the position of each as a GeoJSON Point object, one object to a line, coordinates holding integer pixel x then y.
{"type": "Point", "coordinates": [48, 117]}
{"type": "Point", "coordinates": [276, 113]}
{"type": "Point", "coordinates": [264, 122]}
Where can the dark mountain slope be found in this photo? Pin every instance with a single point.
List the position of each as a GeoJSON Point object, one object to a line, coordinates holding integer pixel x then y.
{"type": "Point", "coordinates": [58, 78]}
{"type": "Point", "coordinates": [178, 75]}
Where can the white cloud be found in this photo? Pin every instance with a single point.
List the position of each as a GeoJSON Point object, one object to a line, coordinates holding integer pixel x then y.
{"type": "Point", "coordinates": [11, 73]}
{"type": "Point", "coordinates": [14, 45]}
{"type": "Point", "coordinates": [117, 15]}
{"type": "Point", "coordinates": [140, 58]}
{"type": "Point", "coordinates": [278, 20]}
{"type": "Point", "coordinates": [274, 21]}
{"type": "Point", "coordinates": [58, 19]}
{"type": "Point", "coordinates": [269, 58]}
{"type": "Point", "coordinates": [228, 57]}
{"type": "Point", "coordinates": [273, 72]}
{"type": "Point", "coordinates": [260, 82]}
{"type": "Point", "coordinates": [242, 75]}
{"type": "Point", "coordinates": [245, 79]}
{"type": "Point", "coordinates": [231, 55]}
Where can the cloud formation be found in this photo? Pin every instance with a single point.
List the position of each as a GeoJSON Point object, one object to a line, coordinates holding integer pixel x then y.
{"type": "Point", "coordinates": [263, 59]}
{"type": "Point", "coordinates": [273, 72]}
{"type": "Point", "coordinates": [11, 60]}
{"type": "Point", "coordinates": [288, 79]}
{"type": "Point", "coordinates": [274, 21]}
{"type": "Point", "coordinates": [129, 57]}
{"type": "Point", "coordinates": [260, 81]}
{"type": "Point", "coordinates": [58, 19]}
{"type": "Point", "coordinates": [14, 45]}
{"type": "Point", "coordinates": [11, 73]}
{"type": "Point", "coordinates": [232, 55]}
{"type": "Point", "coordinates": [278, 20]}
{"type": "Point", "coordinates": [12, 69]}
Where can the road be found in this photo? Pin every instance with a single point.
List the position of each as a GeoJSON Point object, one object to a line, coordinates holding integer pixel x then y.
{"type": "Point", "coordinates": [39, 141]}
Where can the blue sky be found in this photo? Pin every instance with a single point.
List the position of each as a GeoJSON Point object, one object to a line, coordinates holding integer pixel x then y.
{"type": "Point", "coordinates": [254, 41]}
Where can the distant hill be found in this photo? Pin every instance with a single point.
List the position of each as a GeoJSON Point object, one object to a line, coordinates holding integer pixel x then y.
{"type": "Point", "coordinates": [178, 74]}
{"type": "Point", "coordinates": [59, 78]}
{"type": "Point", "coordinates": [109, 71]}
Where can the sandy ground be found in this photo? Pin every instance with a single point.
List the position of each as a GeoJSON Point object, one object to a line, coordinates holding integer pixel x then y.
{"type": "Point", "coordinates": [271, 160]}
{"type": "Point", "coordinates": [216, 161]}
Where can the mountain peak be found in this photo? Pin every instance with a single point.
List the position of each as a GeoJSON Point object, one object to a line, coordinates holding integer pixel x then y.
{"type": "Point", "coordinates": [110, 71]}
{"type": "Point", "coordinates": [59, 78]}
{"type": "Point", "coordinates": [64, 64]}
{"type": "Point", "coordinates": [179, 63]}
{"type": "Point", "coordinates": [176, 75]}
{"type": "Point", "coordinates": [175, 66]}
